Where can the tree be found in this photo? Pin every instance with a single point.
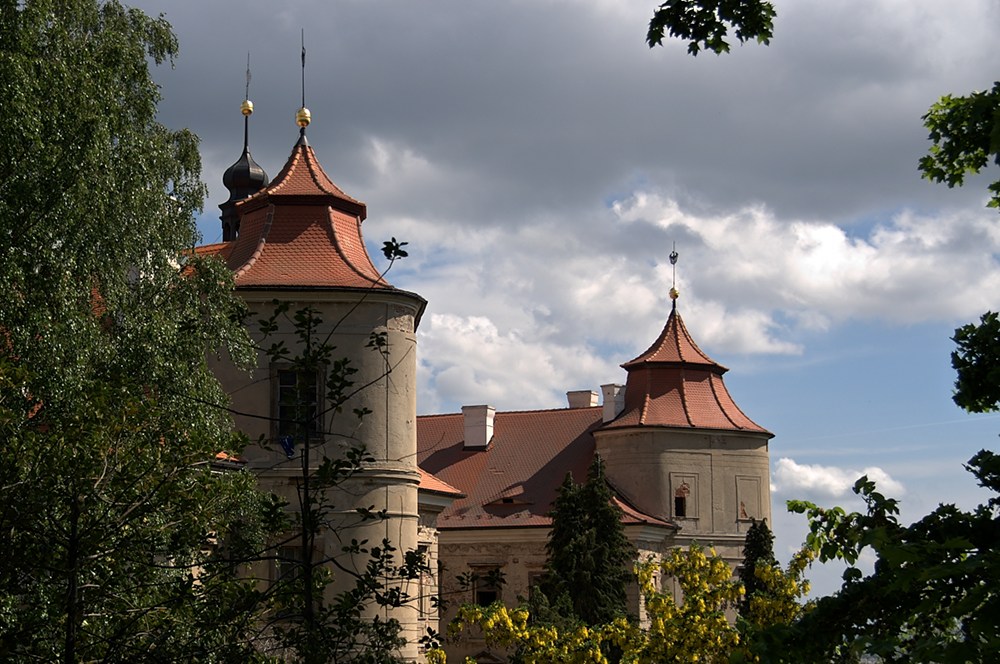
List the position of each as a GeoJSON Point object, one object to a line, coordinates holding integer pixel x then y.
{"type": "Point", "coordinates": [589, 557]}
{"type": "Point", "coordinates": [965, 132]}
{"type": "Point", "coordinates": [693, 629]}
{"type": "Point", "coordinates": [111, 506]}
{"type": "Point", "coordinates": [758, 551]}
{"type": "Point", "coordinates": [930, 598]}
{"type": "Point", "coordinates": [977, 364]}
{"type": "Point", "coordinates": [706, 23]}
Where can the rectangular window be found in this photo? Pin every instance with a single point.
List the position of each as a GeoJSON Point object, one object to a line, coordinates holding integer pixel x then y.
{"type": "Point", "coordinates": [486, 586]}
{"type": "Point", "coordinates": [680, 506]}
{"type": "Point", "coordinates": [748, 498]}
{"type": "Point", "coordinates": [684, 489]}
{"type": "Point", "coordinates": [295, 410]}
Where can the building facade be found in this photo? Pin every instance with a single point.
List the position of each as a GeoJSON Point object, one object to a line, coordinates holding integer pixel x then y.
{"type": "Point", "coordinates": [469, 490]}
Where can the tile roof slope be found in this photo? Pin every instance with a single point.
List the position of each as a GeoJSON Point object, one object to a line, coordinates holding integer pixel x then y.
{"type": "Point", "coordinates": [675, 384]}
{"type": "Point", "coordinates": [434, 484]}
{"type": "Point", "coordinates": [513, 482]}
{"type": "Point", "coordinates": [302, 230]}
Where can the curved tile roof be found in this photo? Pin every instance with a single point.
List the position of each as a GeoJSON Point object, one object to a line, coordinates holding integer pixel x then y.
{"type": "Point", "coordinates": [514, 480]}
{"type": "Point", "coordinates": [675, 384]}
{"type": "Point", "coordinates": [301, 231]}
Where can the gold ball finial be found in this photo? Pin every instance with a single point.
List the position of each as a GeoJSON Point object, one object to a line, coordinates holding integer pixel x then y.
{"type": "Point", "coordinates": [303, 117]}
{"type": "Point", "coordinates": [674, 293]}
{"type": "Point", "coordinates": [246, 108]}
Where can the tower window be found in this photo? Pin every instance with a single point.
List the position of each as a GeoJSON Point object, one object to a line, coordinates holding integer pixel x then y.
{"type": "Point", "coordinates": [296, 399]}
{"type": "Point", "coordinates": [680, 500]}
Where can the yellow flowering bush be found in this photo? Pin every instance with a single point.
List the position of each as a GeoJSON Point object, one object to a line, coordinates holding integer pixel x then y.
{"type": "Point", "coordinates": [695, 629]}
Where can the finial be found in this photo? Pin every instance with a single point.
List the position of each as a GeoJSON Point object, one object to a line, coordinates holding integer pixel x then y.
{"type": "Point", "coordinates": [674, 293]}
{"type": "Point", "coordinates": [303, 117]}
{"type": "Point", "coordinates": [247, 106]}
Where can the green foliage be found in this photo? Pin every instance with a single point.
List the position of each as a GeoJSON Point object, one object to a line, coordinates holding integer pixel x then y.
{"type": "Point", "coordinates": [757, 551]}
{"type": "Point", "coordinates": [589, 557]}
{"type": "Point", "coordinates": [931, 596]}
{"type": "Point", "coordinates": [689, 627]}
{"type": "Point", "coordinates": [109, 415]}
{"type": "Point", "coordinates": [977, 363]}
{"type": "Point", "coordinates": [965, 132]}
{"type": "Point", "coordinates": [705, 24]}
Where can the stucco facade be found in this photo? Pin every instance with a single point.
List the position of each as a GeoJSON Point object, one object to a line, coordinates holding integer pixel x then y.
{"type": "Point", "coordinates": [472, 490]}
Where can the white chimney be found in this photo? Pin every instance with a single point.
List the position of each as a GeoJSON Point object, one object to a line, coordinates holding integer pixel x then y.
{"type": "Point", "coordinates": [478, 426]}
{"type": "Point", "coordinates": [582, 398]}
{"type": "Point", "coordinates": [614, 400]}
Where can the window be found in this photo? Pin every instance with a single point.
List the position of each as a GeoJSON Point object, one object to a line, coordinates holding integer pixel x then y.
{"type": "Point", "coordinates": [426, 582]}
{"type": "Point", "coordinates": [287, 563]}
{"type": "Point", "coordinates": [684, 492]}
{"type": "Point", "coordinates": [748, 498]}
{"type": "Point", "coordinates": [486, 585]}
{"type": "Point", "coordinates": [296, 396]}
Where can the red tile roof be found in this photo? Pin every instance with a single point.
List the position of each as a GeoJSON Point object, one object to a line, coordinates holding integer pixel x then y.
{"type": "Point", "coordinates": [434, 484]}
{"type": "Point", "coordinates": [513, 482]}
{"type": "Point", "coordinates": [301, 231]}
{"type": "Point", "coordinates": [674, 384]}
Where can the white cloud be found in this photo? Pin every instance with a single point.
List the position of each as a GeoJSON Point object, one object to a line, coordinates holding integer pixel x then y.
{"type": "Point", "coordinates": [815, 481]}
{"type": "Point", "coordinates": [468, 360]}
{"type": "Point", "coordinates": [908, 268]}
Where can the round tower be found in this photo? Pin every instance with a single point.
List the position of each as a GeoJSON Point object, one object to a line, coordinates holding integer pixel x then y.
{"type": "Point", "coordinates": [682, 450]}
{"type": "Point", "coordinates": [300, 243]}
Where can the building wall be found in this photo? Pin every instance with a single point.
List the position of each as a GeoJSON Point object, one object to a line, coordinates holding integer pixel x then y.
{"type": "Point", "coordinates": [723, 478]}
{"type": "Point", "coordinates": [386, 387]}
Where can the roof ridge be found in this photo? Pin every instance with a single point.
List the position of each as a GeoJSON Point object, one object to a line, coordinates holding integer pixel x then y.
{"type": "Point", "coordinates": [338, 247]}
{"type": "Point", "coordinates": [261, 243]}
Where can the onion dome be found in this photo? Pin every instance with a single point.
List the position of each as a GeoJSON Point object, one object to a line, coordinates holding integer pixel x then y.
{"type": "Point", "coordinates": [243, 179]}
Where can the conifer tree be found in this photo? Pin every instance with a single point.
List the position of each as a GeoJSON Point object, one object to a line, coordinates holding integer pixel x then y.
{"type": "Point", "coordinates": [758, 550]}
{"type": "Point", "coordinates": [590, 559]}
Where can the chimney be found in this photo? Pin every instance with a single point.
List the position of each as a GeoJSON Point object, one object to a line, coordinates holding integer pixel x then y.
{"type": "Point", "coordinates": [614, 400]}
{"type": "Point", "coordinates": [581, 398]}
{"type": "Point", "coordinates": [478, 426]}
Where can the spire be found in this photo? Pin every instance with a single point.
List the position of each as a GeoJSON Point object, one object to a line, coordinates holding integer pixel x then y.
{"type": "Point", "coordinates": [245, 177]}
{"type": "Point", "coordinates": [303, 117]}
{"type": "Point", "coordinates": [673, 383]}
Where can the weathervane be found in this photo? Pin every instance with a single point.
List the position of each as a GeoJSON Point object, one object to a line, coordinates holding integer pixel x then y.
{"type": "Point", "coordinates": [303, 116]}
{"type": "Point", "coordinates": [247, 108]}
{"type": "Point", "coordinates": [674, 293]}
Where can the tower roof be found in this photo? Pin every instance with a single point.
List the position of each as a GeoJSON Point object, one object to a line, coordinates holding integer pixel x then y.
{"type": "Point", "coordinates": [675, 384]}
{"type": "Point", "coordinates": [302, 231]}
{"type": "Point", "coordinates": [675, 345]}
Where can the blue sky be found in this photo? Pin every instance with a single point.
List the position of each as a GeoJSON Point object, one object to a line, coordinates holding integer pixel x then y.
{"type": "Point", "coordinates": [542, 162]}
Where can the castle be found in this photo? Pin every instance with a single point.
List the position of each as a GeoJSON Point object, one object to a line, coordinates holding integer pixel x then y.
{"type": "Point", "coordinates": [471, 490]}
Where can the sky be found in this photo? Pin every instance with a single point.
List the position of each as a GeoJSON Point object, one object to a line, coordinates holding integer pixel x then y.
{"type": "Point", "coordinates": [542, 162]}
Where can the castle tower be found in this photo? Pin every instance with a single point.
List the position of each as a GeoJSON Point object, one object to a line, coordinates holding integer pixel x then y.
{"type": "Point", "coordinates": [299, 241]}
{"type": "Point", "coordinates": [682, 450]}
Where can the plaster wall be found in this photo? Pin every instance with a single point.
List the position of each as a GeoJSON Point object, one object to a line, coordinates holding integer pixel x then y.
{"type": "Point", "coordinates": [723, 476]}
{"type": "Point", "coordinates": [384, 386]}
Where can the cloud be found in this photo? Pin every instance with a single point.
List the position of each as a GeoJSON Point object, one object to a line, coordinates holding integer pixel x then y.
{"type": "Point", "coordinates": [908, 268]}
{"type": "Point", "coordinates": [467, 360]}
{"type": "Point", "coordinates": [815, 481]}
